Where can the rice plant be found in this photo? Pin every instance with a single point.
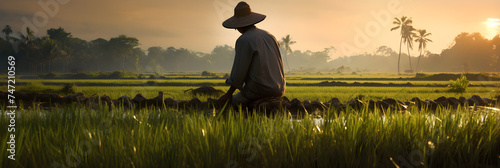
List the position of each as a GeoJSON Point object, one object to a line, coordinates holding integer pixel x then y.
{"type": "Point", "coordinates": [79, 137]}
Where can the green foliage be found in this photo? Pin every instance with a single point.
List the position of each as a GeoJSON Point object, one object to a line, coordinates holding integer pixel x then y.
{"type": "Point", "coordinates": [68, 88]}
{"type": "Point", "coordinates": [206, 73]}
{"type": "Point", "coordinates": [302, 86]}
{"type": "Point", "coordinates": [460, 85]}
{"type": "Point", "coordinates": [79, 76]}
{"type": "Point", "coordinates": [151, 83]}
{"type": "Point", "coordinates": [342, 69]}
{"type": "Point", "coordinates": [189, 138]}
{"type": "Point", "coordinates": [420, 75]}
{"type": "Point", "coordinates": [38, 87]}
{"type": "Point", "coordinates": [97, 138]}
{"type": "Point", "coordinates": [141, 76]}
{"type": "Point", "coordinates": [117, 75]}
{"type": "Point", "coordinates": [50, 75]}
{"type": "Point", "coordinates": [59, 50]}
{"type": "Point", "coordinates": [157, 76]}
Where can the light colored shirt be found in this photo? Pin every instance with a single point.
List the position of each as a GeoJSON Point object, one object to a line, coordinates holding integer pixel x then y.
{"type": "Point", "coordinates": [258, 67]}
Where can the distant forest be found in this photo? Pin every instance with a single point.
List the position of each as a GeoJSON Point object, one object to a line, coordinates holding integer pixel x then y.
{"type": "Point", "coordinates": [59, 51]}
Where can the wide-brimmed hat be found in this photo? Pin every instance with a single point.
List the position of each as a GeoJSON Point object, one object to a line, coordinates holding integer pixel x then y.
{"type": "Point", "coordinates": [243, 16]}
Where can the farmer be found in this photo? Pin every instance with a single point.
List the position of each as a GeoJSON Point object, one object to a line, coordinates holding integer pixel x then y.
{"type": "Point", "coordinates": [258, 68]}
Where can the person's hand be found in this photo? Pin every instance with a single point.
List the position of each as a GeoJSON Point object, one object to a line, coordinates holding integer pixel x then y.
{"type": "Point", "coordinates": [225, 98]}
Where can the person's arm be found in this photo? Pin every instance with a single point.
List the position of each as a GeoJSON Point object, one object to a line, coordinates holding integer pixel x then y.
{"type": "Point", "coordinates": [228, 96]}
{"type": "Point", "coordinates": [242, 61]}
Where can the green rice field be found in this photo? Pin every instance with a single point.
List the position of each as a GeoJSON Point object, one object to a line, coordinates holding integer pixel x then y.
{"type": "Point", "coordinates": [72, 136]}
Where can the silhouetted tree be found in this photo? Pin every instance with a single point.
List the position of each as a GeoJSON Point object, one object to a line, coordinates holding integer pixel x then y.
{"type": "Point", "coordinates": [138, 55]}
{"type": "Point", "coordinates": [29, 38]}
{"type": "Point", "coordinates": [402, 24]}
{"type": "Point", "coordinates": [408, 39]}
{"type": "Point", "coordinates": [98, 49]}
{"type": "Point", "coordinates": [320, 58]}
{"type": "Point", "coordinates": [7, 48]}
{"type": "Point", "coordinates": [286, 42]}
{"type": "Point", "coordinates": [385, 51]}
{"type": "Point", "coordinates": [122, 48]}
{"type": "Point", "coordinates": [58, 34]}
{"type": "Point", "coordinates": [422, 40]}
{"type": "Point", "coordinates": [58, 51]}
{"type": "Point", "coordinates": [27, 49]}
{"type": "Point", "coordinates": [221, 58]}
{"type": "Point", "coordinates": [153, 59]}
{"type": "Point", "coordinates": [78, 52]}
{"type": "Point", "coordinates": [495, 41]}
{"type": "Point", "coordinates": [471, 52]}
{"type": "Point", "coordinates": [49, 52]}
{"type": "Point", "coordinates": [7, 31]}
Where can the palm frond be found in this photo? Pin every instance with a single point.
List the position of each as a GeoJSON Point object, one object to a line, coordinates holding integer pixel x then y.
{"type": "Point", "coordinates": [395, 28]}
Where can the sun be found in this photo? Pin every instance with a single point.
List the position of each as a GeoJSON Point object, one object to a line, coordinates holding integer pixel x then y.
{"type": "Point", "coordinates": [492, 27]}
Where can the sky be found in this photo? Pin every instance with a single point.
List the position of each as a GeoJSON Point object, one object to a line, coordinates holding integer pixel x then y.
{"type": "Point", "coordinates": [351, 27]}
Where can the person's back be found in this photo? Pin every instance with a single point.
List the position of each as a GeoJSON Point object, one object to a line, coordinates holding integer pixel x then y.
{"type": "Point", "coordinates": [265, 76]}
{"type": "Point", "coordinates": [265, 73]}
{"type": "Point", "coordinates": [258, 68]}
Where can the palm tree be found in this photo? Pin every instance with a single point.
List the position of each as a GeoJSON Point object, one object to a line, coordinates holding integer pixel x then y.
{"type": "Point", "coordinates": [28, 47]}
{"type": "Point", "coordinates": [408, 39]}
{"type": "Point", "coordinates": [422, 40]}
{"type": "Point", "coordinates": [402, 24]}
{"type": "Point", "coordinates": [29, 38]}
{"type": "Point", "coordinates": [7, 31]}
{"type": "Point", "coordinates": [286, 42]}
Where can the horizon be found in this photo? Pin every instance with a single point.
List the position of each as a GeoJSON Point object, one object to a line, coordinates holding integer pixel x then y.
{"type": "Point", "coordinates": [351, 27]}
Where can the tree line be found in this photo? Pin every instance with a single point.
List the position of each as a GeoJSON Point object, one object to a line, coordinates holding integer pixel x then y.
{"type": "Point", "coordinates": [59, 51]}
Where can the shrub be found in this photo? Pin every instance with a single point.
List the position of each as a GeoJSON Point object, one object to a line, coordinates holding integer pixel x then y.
{"type": "Point", "coordinates": [206, 73]}
{"type": "Point", "coordinates": [36, 87]}
{"type": "Point", "coordinates": [151, 83]}
{"type": "Point", "coordinates": [30, 76]}
{"type": "Point", "coordinates": [69, 88]}
{"type": "Point", "coordinates": [420, 75]}
{"type": "Point", "coordinates": [156, 76]}
{"type": "Point", "coordinates": [460, 85]}
{"type": "Point", "coordinates": [50, 75]}
{"type": "Point", "coordinates": [117, 75]}
{"type": "Point", "coordinates": [206, 90]}
{"type": "Point", "coordinates": [82, 76]}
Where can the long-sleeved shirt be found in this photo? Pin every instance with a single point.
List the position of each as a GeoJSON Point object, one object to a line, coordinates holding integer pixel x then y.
{"type": "Point", "coordinates": [258, 67]}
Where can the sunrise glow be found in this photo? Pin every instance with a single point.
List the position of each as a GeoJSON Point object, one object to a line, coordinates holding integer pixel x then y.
{"type": "Point", "coordinates": [492, 26]}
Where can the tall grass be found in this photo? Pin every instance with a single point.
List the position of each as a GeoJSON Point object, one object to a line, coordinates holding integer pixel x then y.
{"type": "Point", "coordinates": [73, 136]}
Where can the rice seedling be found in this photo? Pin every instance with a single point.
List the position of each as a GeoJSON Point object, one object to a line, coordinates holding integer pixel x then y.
{"type": "Point", "coordinates": [78, 137]}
